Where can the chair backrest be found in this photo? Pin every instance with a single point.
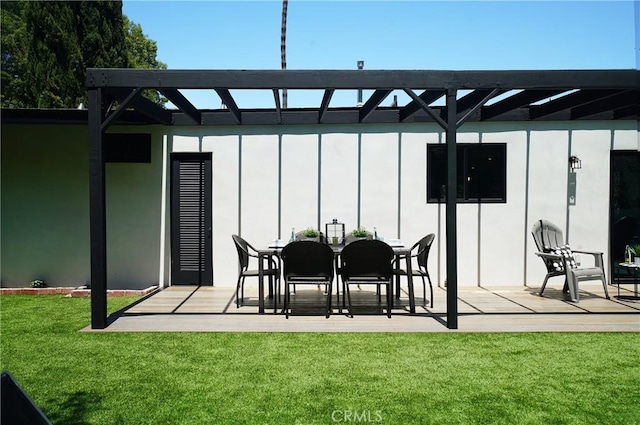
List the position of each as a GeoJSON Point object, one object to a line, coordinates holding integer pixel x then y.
{"type": "Point", "coordinates": [242, 247]}
{"type": "Point", "coordinates": [307, 259]}
{"type": "Point", "coordinates": [367, 258]}
{"type": "Point", "coordinates": [547, 236]}
{"type": "Point", "coordinates": [424, 246]}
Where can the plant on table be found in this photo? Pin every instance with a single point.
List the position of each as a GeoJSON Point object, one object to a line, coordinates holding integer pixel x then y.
{"type": "Point", "coordinates": [635, 250]}
{"type": "Point", "coordinates": [310, 232]}
{"type": "Point", "coordinates": [361, 232]}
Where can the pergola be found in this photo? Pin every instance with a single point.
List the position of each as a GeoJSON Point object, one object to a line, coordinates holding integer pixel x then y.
{"type": "Point", "coordinates": [567, 95]}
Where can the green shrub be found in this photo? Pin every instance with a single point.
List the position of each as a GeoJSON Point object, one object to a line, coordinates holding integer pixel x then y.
{"type": "Point", "coordinates": [38, 283]}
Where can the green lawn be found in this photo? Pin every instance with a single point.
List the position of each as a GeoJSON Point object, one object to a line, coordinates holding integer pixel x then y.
{"type": "Point", "coordinates": [280, 378]}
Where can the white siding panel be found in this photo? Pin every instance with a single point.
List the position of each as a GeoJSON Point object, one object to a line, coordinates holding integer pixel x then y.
{"type": "Point", "coordinates": [225, 206]}
{"type": "Point", "coordinates": [299, 182]}
{"type": "Point", "coordinates": [379, 182]}
{"type": "Point", "coordinates": [591, 209]}
{"type": "Point", "coordinates": [259, 185]}
{"type": "Point", "coordinates": [417, 218]}
{"type": "Point", "coordinates": [182, 143]}
{"type": "Point", "coordinates": [339, 188]}
{"type": "Point", "coordinates": [548, 162]}
{"type": "Point", "coordinates": [502, 229]}
{"type": "Point", "coordinates": [626, 139]}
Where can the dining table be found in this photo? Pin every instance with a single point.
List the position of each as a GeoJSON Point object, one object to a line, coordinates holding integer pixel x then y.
{"type": "Point", "coordinates": [274, 248]}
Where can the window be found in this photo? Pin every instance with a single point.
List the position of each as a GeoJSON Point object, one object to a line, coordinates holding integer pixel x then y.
{"type": "Point", "coordinates": [127, 147]}
{"type": "Point", "coordinates": [481, 169]}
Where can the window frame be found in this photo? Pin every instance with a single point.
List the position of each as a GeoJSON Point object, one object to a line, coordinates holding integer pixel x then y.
{"type": "Point", "coordinates": [463, 151]}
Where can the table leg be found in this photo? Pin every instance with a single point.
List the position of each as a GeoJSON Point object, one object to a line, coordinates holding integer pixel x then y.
{"type": "Point", "coordinates": [412, 300]}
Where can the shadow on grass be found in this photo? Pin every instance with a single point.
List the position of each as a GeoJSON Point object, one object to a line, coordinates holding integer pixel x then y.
{"type": "Point", "coordinates": [73, 408]}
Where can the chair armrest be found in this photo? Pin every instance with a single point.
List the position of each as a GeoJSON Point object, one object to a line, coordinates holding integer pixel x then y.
{"type": "Point", "coordinates": [597, 256]}
{"type": "Point", "coordinates": [549, 255]}
{"type": "Point", "coordinates": [594, 253]}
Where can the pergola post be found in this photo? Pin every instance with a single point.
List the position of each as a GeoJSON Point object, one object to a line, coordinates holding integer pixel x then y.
{"type": "Point", "coordinates": [451, 216]}
{"type": "Point", "coordinates": [97, 213]}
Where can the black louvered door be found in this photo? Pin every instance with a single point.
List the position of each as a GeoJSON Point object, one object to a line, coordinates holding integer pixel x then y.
{"type": "Point", "coordinates": [191, 219]}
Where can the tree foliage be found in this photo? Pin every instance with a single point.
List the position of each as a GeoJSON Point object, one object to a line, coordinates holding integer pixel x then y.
{"type": "Point", "coordinates": [48, 45]}
{"type": "Point", "coordinates": [142, 53]}
{"type": "Point", "coordinates": [14, 53]}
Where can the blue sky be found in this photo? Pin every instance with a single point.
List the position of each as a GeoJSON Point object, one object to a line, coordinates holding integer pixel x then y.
{"type": "Point", "coordinates": [386, 35]}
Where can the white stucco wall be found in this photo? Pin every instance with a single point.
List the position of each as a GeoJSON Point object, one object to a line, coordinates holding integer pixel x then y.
{"type": "Point", "coordinates": [267, 180]}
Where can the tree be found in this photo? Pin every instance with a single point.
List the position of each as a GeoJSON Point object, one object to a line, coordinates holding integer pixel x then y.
{"type": "Point", "coordinates": [65, 38]}
{"type": "Point", "coordinates": [48, 45]}
{"type": "Point", "coordinates": [12, 34]}
{"type": "Point", "coordinates": [142, 54]}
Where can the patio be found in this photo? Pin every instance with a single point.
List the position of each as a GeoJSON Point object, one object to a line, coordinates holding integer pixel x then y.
{"type": "Point", "coordinates": [481, 309]}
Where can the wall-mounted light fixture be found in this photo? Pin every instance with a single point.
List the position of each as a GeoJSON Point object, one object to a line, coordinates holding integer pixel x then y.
{"type": "Point", "coordinates": [574, 163]}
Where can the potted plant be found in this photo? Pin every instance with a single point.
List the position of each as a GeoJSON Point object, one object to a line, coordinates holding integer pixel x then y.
{"type": "Point", "coordinates": [635, 253]}
{"type": "Point", "coordinates": [310, 234]}
{"type": "Point", "coordinates": [361, 233]}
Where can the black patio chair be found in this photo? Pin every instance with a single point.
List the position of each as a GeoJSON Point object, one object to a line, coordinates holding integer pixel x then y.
{"type": "Point", "coordinates": [307, 263]}
{"type": "Point", "coordinates": [419, 251]}
{"type": "Point", "coordinates": [272, 271]}
{"type": "Point", "coordinates": [365, 262]}
{"type": "Point", "coordinates": [559, 260]}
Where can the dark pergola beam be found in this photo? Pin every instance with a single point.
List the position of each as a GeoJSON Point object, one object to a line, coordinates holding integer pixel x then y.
{"type": "Point", "coordinates": [365, 79]}
{"type": "Point", "coordinates": [620, 100]}
{"type": "Point", "coordinates": [183, 104]}
{"type": "Point", "coordinates": [324, 105]}
{"type": "Point", "coordinates": [517, 100]}
{"type": "Point", "coordinates": [414, 106]}
{"type": "Point", "coordinates": [97, 212]}
{"type": "Point", "coordinates": [477, 106]}
{"type": "Point", "coordinates": [569, 101]}
{"type": "Point", "coordinates": [144, 106]}
{"type": "Point", "coordinates": [119, 111]}
{"type": "Point", "coordinates": [627, 111]}
{"type": "Point", "coordinates": [451, 211]}
{"type": "Point", "coordinates": [372, 103]}
{"type": "Point", "coordinates": [472, 99]}
{"type": "Point", "coordinates": [276, 99]}
{"type": "Point", "coordinates": [425, 107]}
{"type": "Point", "coordinates": [230, 103]}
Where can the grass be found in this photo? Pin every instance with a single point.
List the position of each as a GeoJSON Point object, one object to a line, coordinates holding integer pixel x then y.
{"type": "Point", "coordinates": [280, 378]}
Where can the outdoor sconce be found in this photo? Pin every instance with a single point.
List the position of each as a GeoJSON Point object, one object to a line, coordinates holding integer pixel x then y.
{"type": "Point", "coordinates": [575, 163]}
{"type": "Point", "coordinates": [335, 232]}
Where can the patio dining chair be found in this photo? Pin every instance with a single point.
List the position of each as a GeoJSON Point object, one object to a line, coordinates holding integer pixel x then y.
{"type": "Point", "coordinates": [272, 271]}
{"type": "Point", "coordinates": [419, 251]}
{"type": "Point", "coordinates": [307, 263]}
{"type": "Point", "coordinates": [559, 260]}
{"type": "Point", "coordinates": [367, 262]}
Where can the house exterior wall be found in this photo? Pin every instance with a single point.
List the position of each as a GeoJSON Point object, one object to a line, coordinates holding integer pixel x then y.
{"type": "Point", "coordinates": [270, 179]}
{"type": "Point", "coordinates": [45, 210]}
